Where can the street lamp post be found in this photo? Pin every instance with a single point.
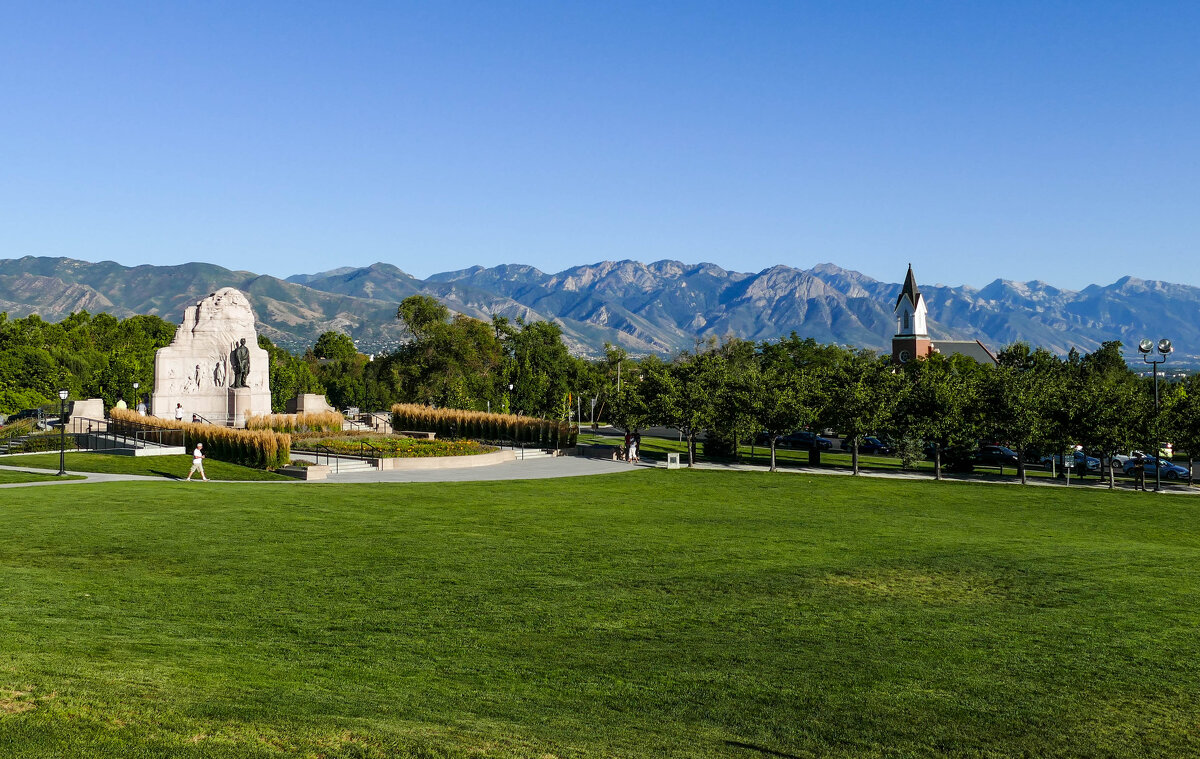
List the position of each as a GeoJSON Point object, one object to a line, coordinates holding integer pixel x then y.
{"type": "Point", "coordinates": [1164, 348]}
{"type": "Point", "coordinates": [62, 432]}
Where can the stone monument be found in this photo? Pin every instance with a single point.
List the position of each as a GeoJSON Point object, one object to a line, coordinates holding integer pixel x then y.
{"type": "Point", "coordinates": [213, 367]}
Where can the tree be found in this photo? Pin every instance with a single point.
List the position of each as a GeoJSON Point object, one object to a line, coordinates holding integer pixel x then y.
{"type": "Point", "coordinates": [682, 395]}
{"type": "Point", "coordinates": [421, 314]}
{"type": "Point", "coordinates": [863, 395]}
{"type": "Point", "coordinates": [1019, 394]}
{"type": "Point", "coordinates": [289, 374]}
{"type": "Point", "coordinates": [1104, 408]}
{"type": "Point", "coordinates": [1182, 418]}
{"type": "Point", "coordinates": [539, 369]}
{"type": "Point", "coordinates": [937, 404]}
{"type": "Point", "coordinates": [334, 346]}
{"type": "Point", "coordinates": [787, 399]}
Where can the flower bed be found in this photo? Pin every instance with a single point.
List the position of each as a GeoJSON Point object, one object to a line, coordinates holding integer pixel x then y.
{"type": "Point", "coordinates": [391, 447]}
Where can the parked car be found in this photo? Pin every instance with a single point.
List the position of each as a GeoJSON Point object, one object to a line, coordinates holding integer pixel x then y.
{"type": "Point", "coordinates": [1083, 463]}
{"type": "Point", "coordinates": [995, 455]}
{"type": "Point", "coordinates": [1169, 471]}
{"type": "Point", "coordinates": [873, 445]}
{"type": "Point", "coordinates": [806, 440]}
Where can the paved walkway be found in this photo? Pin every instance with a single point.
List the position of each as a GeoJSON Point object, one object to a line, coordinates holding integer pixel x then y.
{"type": "Point", "coordinates": [574, 466]}
{"type": "Point", "coordinates": [88, 477]}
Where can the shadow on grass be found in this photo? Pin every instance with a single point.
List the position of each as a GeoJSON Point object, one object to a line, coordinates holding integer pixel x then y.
{"type": "Point", "coordinates": [760, 749]}
{"type": "Point", "coordinates": [168, 475]}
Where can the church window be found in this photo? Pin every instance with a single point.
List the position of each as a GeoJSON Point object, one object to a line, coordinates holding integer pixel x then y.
{"type": "Point", "coordinates": [906, 321]}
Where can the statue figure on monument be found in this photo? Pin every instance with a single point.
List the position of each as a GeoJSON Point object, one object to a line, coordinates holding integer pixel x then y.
{"type": "Point", "coordinates": [240, 360]}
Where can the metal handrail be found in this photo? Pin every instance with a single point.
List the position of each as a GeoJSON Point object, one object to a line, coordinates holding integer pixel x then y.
{"type": "Point", "coordinates": [362, 455]}
{"type": "Point", "coordinates": [108, 434]}
{"type": "Point", "coordinates": [198, 419]}
{"type": "Point", "coordinates": [330, 455]}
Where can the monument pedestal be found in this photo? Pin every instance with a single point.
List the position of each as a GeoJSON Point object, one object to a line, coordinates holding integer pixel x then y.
{"type": "Point", "coordinates": [244, 402]}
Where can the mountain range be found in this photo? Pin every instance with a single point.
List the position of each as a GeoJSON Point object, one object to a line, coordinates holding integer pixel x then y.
{"type": "Point", "coordinates": [659, 307]}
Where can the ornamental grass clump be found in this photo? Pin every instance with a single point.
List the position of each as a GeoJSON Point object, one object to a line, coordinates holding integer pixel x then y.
{"type": "Point", "coordinates": [262, 449]}
{"type": "Point", "coordinates": [306, 422]}
{"type": "Point", "coordinates": [482, 425]}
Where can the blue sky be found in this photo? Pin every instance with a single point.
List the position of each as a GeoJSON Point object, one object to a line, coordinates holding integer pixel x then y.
{"type": "Point", "coordinates": [975, 140]}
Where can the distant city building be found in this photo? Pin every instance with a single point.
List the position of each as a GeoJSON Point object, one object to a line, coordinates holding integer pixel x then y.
{"type": "Point", "coordinates": [912, 340]}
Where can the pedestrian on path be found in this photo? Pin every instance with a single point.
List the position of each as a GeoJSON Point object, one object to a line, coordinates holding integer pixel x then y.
{"type": "Point", "coordinates": [197, 462]}
{"type": "Point", "coordinates": [179, 412]}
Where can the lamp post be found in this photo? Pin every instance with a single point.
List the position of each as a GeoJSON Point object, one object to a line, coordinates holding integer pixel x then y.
{"type": "Point", "coordinates": [62, 432]}
{"type": "Point", "coordinates": [1164, 348]}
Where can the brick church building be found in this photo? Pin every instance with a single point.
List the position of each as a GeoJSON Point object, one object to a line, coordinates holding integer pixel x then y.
{"type": "Point", "coordinates": [912, 340]}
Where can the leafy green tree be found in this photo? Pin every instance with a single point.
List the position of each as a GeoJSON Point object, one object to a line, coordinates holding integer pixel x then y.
{"type": "Point", "coordinates": [421, 315]}
{"type": "Point", "coordinates": [539, 369]}
{"type": "Point", "coordinates": [1182, 418]}
{"type": "Point", "coordinates": [334, 346]}
{"type": "Point", "coordinates": [1019, 393]}
{"type": "Point", "coordinates": [289, 374]}
{"type": "Point", "coordinates": [863, 393]}
{"type": "Point", "coordinates": [938, 404]}
{"type": "Point", "coordinates": [788, 399]}
{"type": "Point", "coordinates": [735, 412]}
{"type": "Point", "coordinates": [1104, 407]}
{"type": "Point", "coordinates": [682, 395]}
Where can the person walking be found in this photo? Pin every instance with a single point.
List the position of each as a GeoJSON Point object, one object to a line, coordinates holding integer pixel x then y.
{"type": "Point", "coordinates": [179, 412]}
{"type": "Point", "coordinates": [198, 462]}
{"type": "Point", "coordinates": [1139, 472]}
{"type": "Point", "coordinates": [141, 408]}
{"type": "Point", "coordinates": [633, 450]}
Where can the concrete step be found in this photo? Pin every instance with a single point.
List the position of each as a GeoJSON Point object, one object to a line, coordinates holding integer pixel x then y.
{"type": "Point", "coordinates": [533, 454]}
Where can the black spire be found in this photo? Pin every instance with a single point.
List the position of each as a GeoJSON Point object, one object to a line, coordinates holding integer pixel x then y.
{"type": "Point", "coordinates": [909, 289]}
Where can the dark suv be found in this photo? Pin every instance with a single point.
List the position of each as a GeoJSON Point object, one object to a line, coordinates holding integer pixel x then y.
{"type": "Point", "coordinates": [995, 455]}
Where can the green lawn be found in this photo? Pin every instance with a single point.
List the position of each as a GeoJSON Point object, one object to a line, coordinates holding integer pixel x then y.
{"type": "Point", "coordinates": [8, 476]}
{"type": "Point", "coordinates": [645, 614]}
{"type": "Point", "coordinates": [150, 466]}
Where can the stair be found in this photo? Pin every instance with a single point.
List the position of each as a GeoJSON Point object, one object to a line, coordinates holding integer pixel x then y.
{"type": "Point", "coordinates": [337, 464]}
{"type": "Point", "coordinates": [534, 454]}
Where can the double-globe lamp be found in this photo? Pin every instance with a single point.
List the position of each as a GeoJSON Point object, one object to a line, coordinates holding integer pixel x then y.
{"type": "Point", "coordinates": [1145, 347]}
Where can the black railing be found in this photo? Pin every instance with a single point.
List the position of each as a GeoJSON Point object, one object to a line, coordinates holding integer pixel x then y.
{"type": "Point", "coordinates": [508, 442]}
{"type": "Point", "coordinates": [331, 458]}
{"type": "Point", "coordinates": [107, 434]}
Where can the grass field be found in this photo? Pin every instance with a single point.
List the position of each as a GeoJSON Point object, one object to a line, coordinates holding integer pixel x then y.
{"type": "Point", "coordinates": [644, 614]}
{"type": "Point", "coordinates": [8, 476]}
{"type": "Point", "coordinates": [150, 466]}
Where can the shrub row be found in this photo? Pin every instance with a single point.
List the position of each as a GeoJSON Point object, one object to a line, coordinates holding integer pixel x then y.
{"type": "Point", "coordinates": [317, 421]}
{"type": "Point", "coordinates": [263, 449]}
{"type": "Point", "coordinates": [392, 447]}
{"type": "Point", "coordinates": [447, 422]}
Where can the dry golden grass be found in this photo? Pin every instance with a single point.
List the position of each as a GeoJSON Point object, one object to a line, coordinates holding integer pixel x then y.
{"type": "Point", "coordinates": [265, 449]}
{"type": "Point", "coordinates": [319, 421]}
{"type": "Point", "coordinates": [480, 424]}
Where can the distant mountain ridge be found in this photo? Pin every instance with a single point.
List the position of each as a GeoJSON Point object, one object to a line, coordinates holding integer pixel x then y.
{"type": "Point", "coordinates": [658, 307]}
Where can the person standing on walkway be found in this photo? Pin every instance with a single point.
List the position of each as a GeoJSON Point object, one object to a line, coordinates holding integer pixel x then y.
{"type": "Point", "coordinates": [633, 450]}
{"type": "Point", "coordinates": [179, 412]}
{"type": "Point", "coordinates": [1139, 472]}
{"type": "Point", "coordinates": [197, 462]}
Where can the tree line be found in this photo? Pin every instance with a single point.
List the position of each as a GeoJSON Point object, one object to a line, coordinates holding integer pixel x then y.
{"type": "Point", "coordinates": [726, 392]}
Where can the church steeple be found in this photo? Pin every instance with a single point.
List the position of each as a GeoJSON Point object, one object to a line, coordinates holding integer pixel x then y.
{"type": "Point", "coordinates": [912, 339]}
{"type": "Point", "coordinates": [909, 290]}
